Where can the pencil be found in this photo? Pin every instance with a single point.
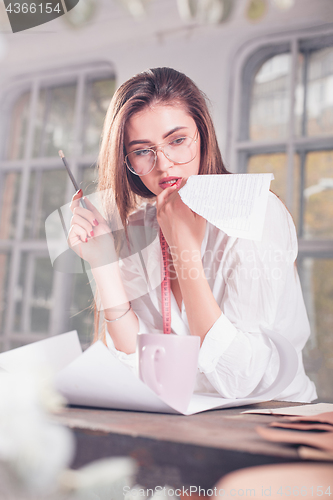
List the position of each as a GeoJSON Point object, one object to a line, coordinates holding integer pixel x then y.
{"type": "Point", "coordinates": [75, 184]}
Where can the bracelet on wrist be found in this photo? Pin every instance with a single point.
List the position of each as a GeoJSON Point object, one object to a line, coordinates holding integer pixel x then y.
{"type": "Point", "coordinates": [120, 317]}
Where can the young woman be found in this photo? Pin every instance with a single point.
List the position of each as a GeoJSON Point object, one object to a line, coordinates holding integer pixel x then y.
{"type": "Point", "coordinates": [226, 290]}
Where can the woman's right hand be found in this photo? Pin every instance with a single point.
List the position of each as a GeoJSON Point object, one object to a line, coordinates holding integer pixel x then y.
{"type": "Point", "coordinates": [90, 236]}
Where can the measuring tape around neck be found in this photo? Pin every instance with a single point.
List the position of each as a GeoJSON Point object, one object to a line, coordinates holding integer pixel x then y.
{"type": "Point", "coordinates": [165, 285]}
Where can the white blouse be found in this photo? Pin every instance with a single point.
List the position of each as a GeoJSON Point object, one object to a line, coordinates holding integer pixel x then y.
{"type": "Point", "coordinates": [257, 288]}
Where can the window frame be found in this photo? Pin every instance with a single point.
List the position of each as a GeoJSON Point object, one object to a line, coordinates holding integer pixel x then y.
{"type": "Point", "coordinates": [247, 60]}
{"type": "Point", "coordinates": [52, 77]}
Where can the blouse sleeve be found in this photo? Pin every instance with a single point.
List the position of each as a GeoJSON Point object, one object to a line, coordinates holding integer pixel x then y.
{"type": "Point", "coordinates": [261, 292]}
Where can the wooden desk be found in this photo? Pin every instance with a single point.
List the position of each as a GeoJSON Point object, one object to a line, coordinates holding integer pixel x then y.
{"type": "Point", "coordinates": [177, 450]}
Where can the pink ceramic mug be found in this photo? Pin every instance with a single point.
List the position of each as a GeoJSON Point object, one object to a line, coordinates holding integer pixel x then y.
{"type": "Point", "coordinates": [168, 364]}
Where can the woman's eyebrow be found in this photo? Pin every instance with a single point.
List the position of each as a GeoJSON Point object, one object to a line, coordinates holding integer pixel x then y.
{"type": "Point", "coordinates": [146, 141]}
{"type": "Point", "coordinates": [173, 131]}
{"type": "Point", "coordinates": [143, 141]}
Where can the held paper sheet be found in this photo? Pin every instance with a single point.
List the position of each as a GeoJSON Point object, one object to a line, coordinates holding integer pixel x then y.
{"type": "Point", "coordinates": [96, 378]}
{"type": "Point", "coordinates": [235, 203]}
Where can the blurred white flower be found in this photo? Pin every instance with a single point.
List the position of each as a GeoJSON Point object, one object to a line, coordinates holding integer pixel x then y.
{"type": "Point", "coordinates": [35, 453]}
{"type": "Point", "coordinates": [35, 449]}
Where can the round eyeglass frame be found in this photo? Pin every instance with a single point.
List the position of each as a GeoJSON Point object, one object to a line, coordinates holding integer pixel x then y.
{"type": "Point", "coordinates": [160, 147]}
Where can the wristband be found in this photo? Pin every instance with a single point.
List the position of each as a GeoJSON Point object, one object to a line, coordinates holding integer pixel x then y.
{"type": "Point", "coordinates": [113, 320]}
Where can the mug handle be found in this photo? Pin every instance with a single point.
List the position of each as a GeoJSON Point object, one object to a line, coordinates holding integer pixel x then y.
{"type": "Point", "coordinates": [147, 367]}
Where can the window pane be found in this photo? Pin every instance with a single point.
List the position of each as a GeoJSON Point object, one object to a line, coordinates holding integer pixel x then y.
{"type": "Point", "coordinates": [54, 121]}
{"type": "Point", "coordinates": [319, 104]}
{"type": "Point", "coordinates": [277, 164]}
{"type": "Point", "coordinates": [99, 94]}
{"type": "Point", "coordinates": [317, 284]}
{"type": "Point", "coordinates": [20, 322]}
{"type": "Point", "coordinates": [269, 112]}
{"type": "Point", "coordinates": [41, 303]}
{"type": "Point", "coordinates": [30, 219]}
{"type": "Point", "coordinates": [300, 122]}
{"type": "Point", "coordinates": [47, 191]}
{"type": "Point", "coordinates": [4, 277]}
{"type": "Point", "coordinates": [80, 312]}
{"type": "Point", "coordinates": [34, 294]}
{"type": "Point", "coordinates": [18, 128]}
{"type": "Point", "coordinates": [318, 195]}
{"type": "Point", "coordinates": [9, 204]}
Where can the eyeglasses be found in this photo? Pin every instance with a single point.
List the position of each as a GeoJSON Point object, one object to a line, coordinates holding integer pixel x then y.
{"type": "Point", "coordinates": [180, 150]}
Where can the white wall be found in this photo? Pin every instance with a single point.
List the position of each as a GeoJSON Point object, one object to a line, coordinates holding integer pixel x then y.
{"type": "Point", "coordinates": [206, 53]}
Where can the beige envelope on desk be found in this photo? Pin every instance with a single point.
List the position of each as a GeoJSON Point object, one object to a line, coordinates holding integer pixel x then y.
{"type": "Point", "coordinates": [96, 378]}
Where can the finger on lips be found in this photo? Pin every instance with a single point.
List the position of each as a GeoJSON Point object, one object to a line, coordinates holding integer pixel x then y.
{"type": "Point", "coordinates": [167, 192]}
{"type": "Point", "coordinates": [171, 195]}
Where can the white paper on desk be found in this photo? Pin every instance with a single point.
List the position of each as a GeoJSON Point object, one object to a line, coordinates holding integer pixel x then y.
{"type": "Point", "coordinates": [297, 411]}
{"type": "Point", "coordinates": [235, 203]}
{"type": "Point", "coordinates": [51, 354]}
{"type": "Point", "coordinates": [96, 378]}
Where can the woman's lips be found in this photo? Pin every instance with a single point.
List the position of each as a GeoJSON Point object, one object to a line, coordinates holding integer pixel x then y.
{"type": "Point", "coordinates": [170, 181]}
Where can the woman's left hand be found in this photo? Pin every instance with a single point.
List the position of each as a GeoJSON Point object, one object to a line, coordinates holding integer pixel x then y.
{"type": "Point", "coordinates": [182, 228]}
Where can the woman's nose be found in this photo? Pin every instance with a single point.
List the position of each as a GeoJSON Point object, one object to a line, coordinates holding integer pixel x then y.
{"type": "Point", "coordinates": [162, 161]}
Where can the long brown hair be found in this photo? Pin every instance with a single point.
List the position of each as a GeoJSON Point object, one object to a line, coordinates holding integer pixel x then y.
{"type": "Point", "coordinates": [151, 87]}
